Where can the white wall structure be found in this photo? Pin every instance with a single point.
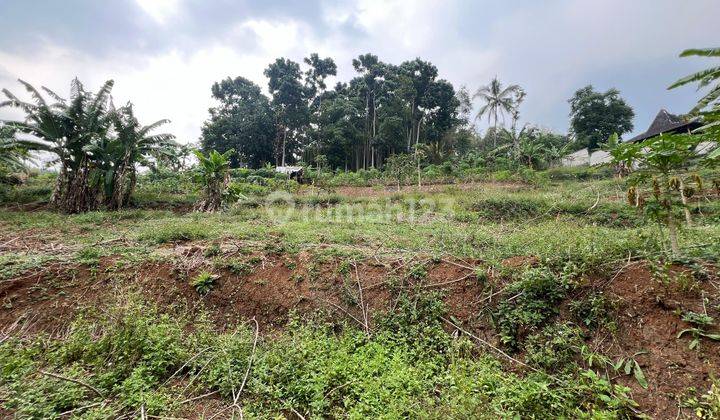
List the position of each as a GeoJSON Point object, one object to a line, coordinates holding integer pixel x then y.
{"type": "Point", "coordinates": [581, 157]}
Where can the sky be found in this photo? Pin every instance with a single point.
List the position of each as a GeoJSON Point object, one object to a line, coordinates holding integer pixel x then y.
{"type": "Point", "coordinates": [165, 54]}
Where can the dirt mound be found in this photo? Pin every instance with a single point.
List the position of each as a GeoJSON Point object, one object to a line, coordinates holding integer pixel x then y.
{"type": "Point", "coordinates": [649, 316]}
{"type": "Point", "coordinates": [270, 290]}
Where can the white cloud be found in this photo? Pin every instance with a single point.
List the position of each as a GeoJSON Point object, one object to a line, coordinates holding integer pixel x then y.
{"type": "Point", "coordinates": [160, 10]}
{"type": "Point", "coordinates": [551, 48]}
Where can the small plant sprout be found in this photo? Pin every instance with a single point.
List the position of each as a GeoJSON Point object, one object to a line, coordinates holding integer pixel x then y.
{"type": "Point", "coordinates": [629, 365]}
{"type": "Point", "coordinates": [204, 282]}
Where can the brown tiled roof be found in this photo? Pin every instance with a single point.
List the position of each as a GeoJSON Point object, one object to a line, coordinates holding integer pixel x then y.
{"type": "Point", "coordinates": [666, 122]}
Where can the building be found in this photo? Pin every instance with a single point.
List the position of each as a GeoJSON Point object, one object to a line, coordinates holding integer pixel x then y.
{"type": "Point", "coordinates": [664, 122]}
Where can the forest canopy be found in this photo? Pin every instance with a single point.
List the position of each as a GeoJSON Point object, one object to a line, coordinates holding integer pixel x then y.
{"type": "Point", "coordinates": [385, 109]}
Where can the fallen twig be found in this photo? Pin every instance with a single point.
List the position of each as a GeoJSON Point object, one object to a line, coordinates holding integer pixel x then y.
{"type": "Point", "coordinates": [76, 381]}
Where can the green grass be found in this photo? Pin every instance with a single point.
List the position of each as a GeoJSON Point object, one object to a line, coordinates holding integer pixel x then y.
{"type": "Point", "coordinates": [410, 367]}
{"type": "Point", "coordinates": [575, 222]}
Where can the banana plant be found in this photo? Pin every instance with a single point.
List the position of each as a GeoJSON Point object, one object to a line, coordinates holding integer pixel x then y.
{"type": "Point", "coordinates": [213, 173]}
{"type": "Point", "coordinates": [117, 156]}
{"type": "Point", "coordinates": [66, 128]}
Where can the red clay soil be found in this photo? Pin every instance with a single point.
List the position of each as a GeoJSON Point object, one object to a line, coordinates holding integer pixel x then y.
{"type": "Point", "coordinates": [47, 300]}
{"type": "Point", "coordinates": [649, 316]}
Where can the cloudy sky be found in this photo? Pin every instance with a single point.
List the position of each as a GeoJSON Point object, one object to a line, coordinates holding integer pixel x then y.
{"type": "Point", "coordinates": [165, 54]}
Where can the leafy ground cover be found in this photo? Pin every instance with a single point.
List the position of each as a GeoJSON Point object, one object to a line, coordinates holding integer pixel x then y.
{"type": "Point", "coordinates": [484, 300]}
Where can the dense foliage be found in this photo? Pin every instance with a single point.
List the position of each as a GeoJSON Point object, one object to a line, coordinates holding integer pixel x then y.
{"type": "Point", "coordinates": [96, 145]}
{"type": "Point", "coordinates": [595, 116]}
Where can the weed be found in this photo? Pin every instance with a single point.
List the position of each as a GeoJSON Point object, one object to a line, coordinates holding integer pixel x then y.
{"type": "Point", "coordinates": [700, 322]}
{"type": "Point", "coordinates": [212, 251]}
{"type": "Point", "coordinates": [630, 366]}
{"type": "Point", "coordinates": [528, 303]}
{"type": "Point", "coordinates": [555, 347]}
{"type": "Point", "coordinates": [203, 282]}
{"type": "Point", "coordinates": [707, 406]}
{"type": "Point", "coordinates": [595, 310]}
{"type": "Point", "coordinates": [175, 232]}
{"type": "Point", "coordinates": [89, 256]}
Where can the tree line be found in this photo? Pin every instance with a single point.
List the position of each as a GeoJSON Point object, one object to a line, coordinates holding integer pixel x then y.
{"type": "Point", "coordinates": [386, 109]}
{"type": "Point", "coordinates": [391, 109]}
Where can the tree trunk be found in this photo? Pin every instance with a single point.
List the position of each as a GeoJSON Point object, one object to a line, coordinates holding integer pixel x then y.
{"type": "Point", "coordinates": [688, 217]}
{"type": "Point", "coordinates": [672, 230]}
{"type": "Point", "coordinates": [283, 145]}
{"type": "Point", "coordinates": [672, 225]}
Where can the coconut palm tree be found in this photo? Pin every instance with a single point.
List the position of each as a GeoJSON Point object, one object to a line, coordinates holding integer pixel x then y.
{"type": "Point", "coordinates": [498, 101]}
{"type": "Point", "coordinates": [66, 129]}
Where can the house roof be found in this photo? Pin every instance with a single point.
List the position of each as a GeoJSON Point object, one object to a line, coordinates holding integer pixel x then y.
{"type": "Point", "coordinates": [666, 122]}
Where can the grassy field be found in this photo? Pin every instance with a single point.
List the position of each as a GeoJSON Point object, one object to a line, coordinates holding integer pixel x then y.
{"type": "Point", "coordinates": [484, 299]}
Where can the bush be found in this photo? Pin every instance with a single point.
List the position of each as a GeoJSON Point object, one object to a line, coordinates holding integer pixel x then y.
{"type": "Point", "coordinates": [554, 348]}
{"type": "Point", "coordinates": [529, 302]}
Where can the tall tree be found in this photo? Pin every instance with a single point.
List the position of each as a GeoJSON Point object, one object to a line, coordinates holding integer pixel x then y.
{"type": "Point", "coordinates": [595, 116]}
{"type": "Point", "coordinates": [497, 101]}
{"type": "Point", "coordinates": [290, 104]}
{"type": "Point", "coordinates": [369, 87]}
{"type": "Point", "coordinates": [243, 121]}
{"type": "Point", "coordinates": [319, 69]}
{"type": "Point", "coordinates": [416, 78]}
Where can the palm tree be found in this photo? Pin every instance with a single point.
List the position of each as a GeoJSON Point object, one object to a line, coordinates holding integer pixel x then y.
{"type": "Point", "coordinates": [497, 102]}
{"type": "Point", "coordinates": [11, 155]}
{"type": "Point", "coordinates": [66, 129]}
{"type": "Point", "coordinates": [702, 78]}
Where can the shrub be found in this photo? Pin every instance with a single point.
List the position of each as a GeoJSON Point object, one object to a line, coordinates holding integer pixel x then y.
{"type": "Point", "coordinates": [554, 348]}
{"type": "Point", "coordinates": [529, 302]}
{"type": "Point", "coordinates": [594, 311]}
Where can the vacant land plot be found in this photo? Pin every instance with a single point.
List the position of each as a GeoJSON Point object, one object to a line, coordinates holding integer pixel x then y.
{"type": "Point", "coordinates": [451, 301]}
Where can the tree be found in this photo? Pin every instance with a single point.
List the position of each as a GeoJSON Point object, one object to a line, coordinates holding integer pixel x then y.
{"type": "Point", "coordinates": [663, 168]}
{"type": "Point", "coordinates": [497, 100]}
{"type": "Point", "coordinates": [290, 105]}
{"type": "Point", "coordinates": [67, 129]}
{"type": "Point", "coordinates": [319, 70]}
{"type": "Point", "coordinates": [214, 175]}
{"type": "Point", "coordinates": [97, 146]}
{"type": "Point", "coordinates": [595, 116]}
{"type": "Point", "coordinates": [340, 127]}
{"type": "Point", "coordinates": [370, 85]}
{"type": "Point", "coordinates": [703, 78]}
{"type": "Point", "coordinates": [416, 80]}
{"type": "Point", "coordinates": [243, 121]}
{"type": "Point", "coordinates": [120, 155]}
